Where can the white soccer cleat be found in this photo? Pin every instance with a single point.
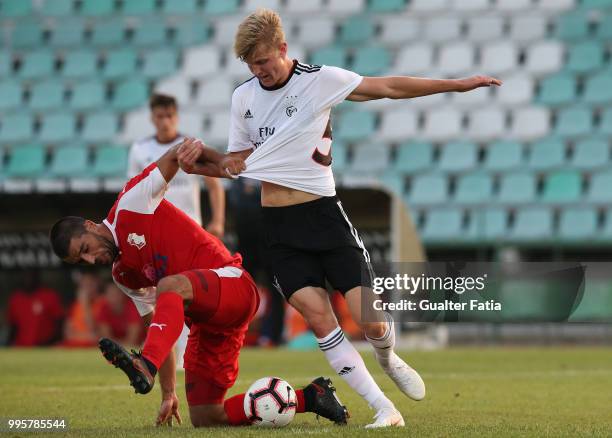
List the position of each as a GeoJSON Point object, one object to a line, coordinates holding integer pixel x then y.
{"type": "Point", "coordinates": [387, 417]}
{"type": "Point", "coordinates": [405, 377]}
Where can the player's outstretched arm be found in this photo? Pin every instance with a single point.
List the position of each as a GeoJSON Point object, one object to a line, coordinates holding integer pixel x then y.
{"type": "Point", "coordinates": [201, 160]}
{"type": "Point", "coordinates": [406, 87]}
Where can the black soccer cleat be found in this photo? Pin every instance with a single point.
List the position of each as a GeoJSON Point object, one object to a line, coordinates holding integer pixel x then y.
{"type": "Point", "coordinates": [132, 364]}
{"type": "Point", "coordinates": [325, 402]}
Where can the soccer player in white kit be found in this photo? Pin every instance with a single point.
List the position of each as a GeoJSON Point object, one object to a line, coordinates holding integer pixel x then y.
{"type": "Point", "coordinates": [280, 126]}
{"type": "Point", "coordinates": [184, 190]}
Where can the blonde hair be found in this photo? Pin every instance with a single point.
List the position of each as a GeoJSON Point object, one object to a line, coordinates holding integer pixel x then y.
{"type": "Point", "coordinates": [262, 27]}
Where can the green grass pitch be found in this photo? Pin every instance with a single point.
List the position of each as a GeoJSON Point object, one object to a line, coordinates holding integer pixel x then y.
{"type": "Point", "coordinates": [470, 392]}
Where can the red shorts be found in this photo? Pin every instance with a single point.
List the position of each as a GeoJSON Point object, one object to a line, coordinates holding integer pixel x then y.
{"type": "Point", "coordinates": [225, 301]}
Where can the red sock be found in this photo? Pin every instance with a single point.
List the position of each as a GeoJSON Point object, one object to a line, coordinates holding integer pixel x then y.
{"type": "Point", "coordinates": [301, 403]}
{"type": "Point", "coordinates": [165, 328]}
{"type": "Point", "coordinates": [234, 409]}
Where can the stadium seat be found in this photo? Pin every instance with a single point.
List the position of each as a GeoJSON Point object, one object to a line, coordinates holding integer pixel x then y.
{"type": "Point", "coordinates": [562, 187]}
{"type": "Point", "coordinates": [398, 125]}
{"type": "Point", "coordinates": [57, 128]}
{"type": "Point", "coordinates": [604, 29]}
{"type": "Point", "coordinates": [414, 59]}
{"type": "Point", "coordinates": [220, 7]}
{"type": "Point", "coordinates": [442, 29]}
{"type": "Point", "coordinates": [530, 123]}
{"type": "Point", "coordinates": [314, 32]}
{"type": "Point", "coordinates": [16, 128]}
{"type": "Point", "coordinates": [497, 58]}
{"type": "Point", "coordinates": [252, 5]}
{"type": "Point", "coordinates": [68, 33]}
{"type": "Point", "coordinates": [456, 58]}
{"type": "Point", "coordinates": [512, 5]}
{"type": "Point", "coordinates": [428, 189]}
{"type": "Point", "coordinates": [88, 95]}
{"type": "Point", "coordinates": [585, 57]}
{"type": "Point", "coordinates": [442, 124]}
{"type": "Point", "coordinates": [150, 33]}
{"type": "Point", "coordinates": [370, 158]}
{"type": "Point", "coordinates": [10, 95]}
{"type": "Point", "coordinates": [345, 7]}
{"type": "Point", "coordinates": [397, 31]}
{"type": "Point", "coordinates": [225, 31]}
{"type": "Point", "coordinates": [180, 7]}
{"type": "Point", "coordinates": [46, 95]}
{"type": "Point", "coordinates": [544, 57]}
{"type": "Point", "coordinates": [130, 94]}
{"type": "Point", "coordinates": [356, 31]}
{"type": "Point", "coordinates": [591, 153]}
{"type": "Point", "coordinates": [97, 8]}
{"type": "Point", "coordinates": [559, 89]}
{"type": "Point", "coordinates": [574, 122]}
{"type": "Point", "coordinates": [201, 61]}
{"type": "Point", "coordinates": [386, 6]}
{"type": "Point", "coordinates": [191, 32]}
{"type": "Point", "coordinates": [474, 188]}
{"type": "Point", "coordinates": [486, 124]}
{"type": "Point", "coordinates": [355, 126]}
{"type": "Point", "coordinates": [303, 6]}
{"type": "Point", "coordinates": [335, 56]}
{"type": "Point", "coordinates": [517, 188]}
{"type": "Point", "coordinates": [176, 86]}
{"type": "Point", "coordinates": [443, 225]}
{"type": "Point", "coordinates": [215, 93]}
{"type": "Point", "coordinates": [138, 7]}
{"type": "Point", "coordinates": [596, 4]}
{"type": "Point", "coordinates": [428, 6]}
{"type": "Point", "coordinates": [503, 155]}
{"type": "Point", "coordinates": [339, 156]}
{"type": "Point", "coordinates": [598, 89]}
{"type": "Point", "coordinates": [26, 162]}
{"type": "Point", "coordinates": [458, 156]}
{"type": "Point", "coordinates": [80, 64]}
{"type": "Point", "coordinates": [110, 161]}
{"type": "Point", "coordinates": [137, 125]}
{"type": "Point", "coordinates": [160, 62]}
{"type": "Point", "coordinates": [371, 61]}
{"type": "Point", "coordinates": [526, 28]}
{"type": "Point", "coordinates": [413, 157]}
{"type": "Point", "coordinates": [605, 124]}
{"type": "Point", "coordinates": [470, 5]}
{"type": "Point", "coordinates": [578, 223]}
{"type": "Point", "coordinates": [573, 26]}
{"type": "Point", "coordinates": [599, 188]}
{"type": "Point", "coordinates": [474, 99]}
{"type": "Point", "coordinates": [485, 28]}
{"type": "Point", "coordinates": [100, 127]}
{"type": "Point", "coordinates": [37, 64]}
{"type": "Point", "coordinates": [488, 224]}
{"type": "Point", "coordinates": [57, 8]}
{"type": "Point", "coordinates": [6, 63]}
{"type": "Point", "coordinates": [27, 34]}
{"type": "Point", "coordinates": [108, 33]}
{"type": "Point", "coordinates": [517, 90]}
{"type": "Point", "coordinates": [532, 224]}
{"type": "Point", "coordinates": [555, 5]}
{"type": "Point", "coordinates": [219, 128]}
{"type": "Point", "coordinates": [119, 63]}
{"type": "Point", "coordinates": [15, 8]}
{"type": "Point", "coordinates": [69, 162]}
{"type": "Point", "coordinates": [546, 154]}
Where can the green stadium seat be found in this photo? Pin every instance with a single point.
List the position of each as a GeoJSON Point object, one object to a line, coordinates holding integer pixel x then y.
{"type": "Point", "coordinates": [605, 124]}
{"type": "Point", "coordinates": [70, 32]}
{"type": "Point", "coordinates": [596, 302]}
{"type": "Point", "coordinates": [383, 6]}
{"type": "Point", "coordinates": [6, 64]}
{"type": "Point", "coordinates": [585, 57]}
{"type": "Point", "coordinates": [37, 64]}
{"type": "Point", "coordinates": [10, 95]}
{"type": "Point", "coordinates": [130, 94]}
{"type": "Point", "coordinates": [606, 232]}
{"type": "Point", "coordinates": [88, 95]}
{"type": "Point", "coordinates": [547, 153]}
{"type": "Point", "coordinates": [150, 33]}
{"type": "Point", "coordinates": [599, 188]}
{"type": "Point", "coordinates": [591, 153]}
{"type": "Point", "coordinates": [15, 8]}
{"type": "Point", "coordinates": [191, 32]}
{"type": "Point", "coordinates": [504, 155]}
{"type": "Point", "coordinates": [27, 34]}
{"type": "Point", "coordinates": [220, 7]}
{"type": "Point", "coordinates": [370, 158]}
{"type": "Point", "coordinates": [110, 161]}
{"type": "Point", "coordinates": [458, 156]}
{"type": "Point", "coordinates": [100, 127]}
{"type": "Point", "coordinates": [393, 182]}
{"type": "Point", "coordinates": [559, 89]}
{"type": "Point", "coordinates": [517, 188]}
{"type": "Point", "coordinates": [573, 26]}
{"type": "Point", "coordinates": [120, 63]}
{"type": "Point", "coordinates": [180, 7]}
{"type": "Point", "coordinates": [46, 95]}
{"type": "Point", "coordinates": [26, 162]}
{"type": "Point", "coordinates": [443, 225]}
{"type": "Point", "coordinates": [604, 30]}
{"type": "Point", "coordinates": [562, 186]}
{"type": "Point", "coordinates": [17, 128]}
{"type": "Point", "coordinates": [532, 224]}
{"type": "Point", "coordinates": [489, 224]}
{"type": "Point", "coordinates": [339, 156]}
{"type": "Point", "coordinates": [161, 62]}
{"type": "Point", "coordinates": [356, 125]}
{"type": "Point", "coordinates": [139, 7]}
{"type": "Point", "coordinates": [97, 8]}
{"type": "Point", "coordinates": [598, 89]}
{"type": "Point", "coordinates": [108, 33]}
{"type": "Point", "coordinates": [371, 61]}
{"type": "Point", "coordinates": [356, 31]}
{"type": "Point", "coordinates": [596, 4]}
{"type": "Point", "coordinates": [80, 64]}
{"type": "Point", "coordinates": [57, 8]}
{"type": "Point", "coordinates": [474, 188]}
{"type": "Point", "coordinates": [414, 156]}
{"type": "Point", "coordinates": [574, 122]}
{"type": "Point", "coordinates": [577, 223]}
{"type": "Point", "coordinates": [57, 128]}
{"type": "Point", "coordinates": [335, 56]}
{"type": "Point", "coordinates": [428, 189]}
{"type": "Point", "coordinates": [69, 161]}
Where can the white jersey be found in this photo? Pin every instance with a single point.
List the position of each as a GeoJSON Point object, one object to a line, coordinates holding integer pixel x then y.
{"type": "Point", "coordinates": [288, 127]}
{"type": "Point", "coordinates": [183, 190]}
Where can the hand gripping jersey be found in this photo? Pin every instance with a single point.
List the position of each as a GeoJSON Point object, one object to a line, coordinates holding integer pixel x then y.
{"type": "Point", "coordinates": [287, 124]}
{"type": "Point", "coordinates": [155, 239]}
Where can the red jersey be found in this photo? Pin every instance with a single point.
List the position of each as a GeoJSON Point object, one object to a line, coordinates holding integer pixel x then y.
{"type": "Point", "coordinates": [118, 322]}
{"type": "Point", "coordinates": [155, 239]}
{"type": "Point", "coordinates": [35, 316]}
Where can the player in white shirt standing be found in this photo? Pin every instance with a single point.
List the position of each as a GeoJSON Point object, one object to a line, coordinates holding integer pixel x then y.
{"type": "Point", "coordinates": [184, 190]}
{"type": "Point", "coordinates": [281, 127]}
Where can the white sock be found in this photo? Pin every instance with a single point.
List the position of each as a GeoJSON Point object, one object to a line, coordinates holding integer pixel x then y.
{"type": "Point", "coordinates": [349, 365]}
{"type": "Point", "coordinates": [383, 346]}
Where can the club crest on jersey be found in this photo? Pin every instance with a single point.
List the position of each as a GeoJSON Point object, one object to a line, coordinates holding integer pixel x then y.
{"type": "Point", "coordinates": [136, 240]}
{"type": "Point", "coordinates": [289, 105]}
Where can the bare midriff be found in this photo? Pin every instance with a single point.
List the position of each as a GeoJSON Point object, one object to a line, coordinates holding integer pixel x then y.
{"type": "Point", "coordinates": [273, 195]}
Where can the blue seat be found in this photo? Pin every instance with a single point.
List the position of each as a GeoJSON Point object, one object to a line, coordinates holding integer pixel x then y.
{"type": "Point", "coordinates": [17, 128]}
{"type": "Point", "coordinates": [371, 61]}
{"type": "Point", "coordinates": [10, 95]}
{"type": "Point", "coordinates": [414, 156]}
{"type": "Point", "coordinates": [57, 128]}
{"type": "Point", "coordinates": [562, 186]}
{"type": "Point", "coordinates": [130, 94]}
{"type": "Point", "coordinates": [517, 188]}
{"type": "Point", "coordinates": [443, 225]}
{"type": "Point", "coordinates": [47, 95]}
{"type": "Point", "coordinates": [120, 63]}
{"type": "Point", "coordinates": [578, 223]}
{"type": "Point", "coordinates": [100, 127]}
{"type": "Point", "coordinates": [80, 64]}
{"type": "Point", "coordinates": [57, 8]}
{"type": "Point", "coordinates": [474, 188]}
{"type": "Point", "coordinates": [88, 95]}
{"type": "Point", "coordinates": [547, 153]}
{"type": "Point", "coordinates": [458, 156]}
{"type": "Point", "coordinates": [27, 34]}
{"type": "Point", "coordinates": [356, 125]}
{"type": "Point", "coordinates": [533, 224]}
{"type": "Point", "coordinates": [150, 33]}
{"type": "Point", "coordinates": [591, 153]}
{"type": "Point", "coordinates": [559, 89]}
{"type": "Point", "coordinates": [108, 33]}
{"type": "Point", "coordinates": [489, 224]}
{"type": "Point", "coordinates": [428, 189]}
{"type": "Point", "coordinates": [599, 188]}
{"type": "Point", "coordinates": [504, 155]}
{"type": "Point", "coordinates": [574, 122]}
{"type": "Point", "coordinates": [70, 32]}
{"type": "Point", "coordinates": [37, 64]}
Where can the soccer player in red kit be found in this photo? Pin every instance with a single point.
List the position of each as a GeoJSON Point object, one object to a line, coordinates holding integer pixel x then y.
{"type": "Point", "coordinates": [149, 242]}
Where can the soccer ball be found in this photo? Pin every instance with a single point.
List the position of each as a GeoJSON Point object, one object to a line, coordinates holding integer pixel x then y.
{"type": "Point", "coordinates": [270, 402]}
